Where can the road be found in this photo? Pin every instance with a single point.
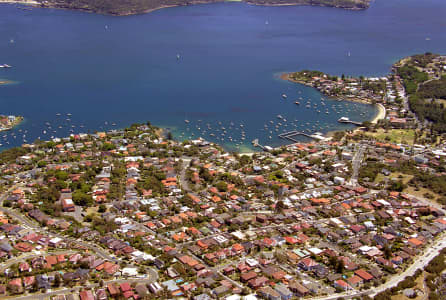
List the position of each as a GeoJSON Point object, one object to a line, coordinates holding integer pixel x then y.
{"type": "Point", "coordinates": [30, 224]}
{"type": "Point", "coordinates": [420, 263]}
{"type": "Point", "coordinates": [183, 180]}
{"type": "Point", "coordinates": [356, 164]}
{"type": "Point", "coordinates": [22, 258]}
{"type": "Point", "coordinates": [24, 221]}
{"type": "Point", "coordinates": [217, 270]}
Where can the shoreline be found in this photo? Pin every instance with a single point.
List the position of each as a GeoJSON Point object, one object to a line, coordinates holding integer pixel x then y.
{"type": "Point", "coordinates": [6, 82]}
{"type": "Point", "coordinates": [19, 121]}
{"type": "Point", "coordinates": [115, 12]}
{"type": "Point", "coordinates": [381, 114]}
{"type": "Point", "coordinates": [286, 76]}
{"type": "Point", "coordinates": [24, 2]}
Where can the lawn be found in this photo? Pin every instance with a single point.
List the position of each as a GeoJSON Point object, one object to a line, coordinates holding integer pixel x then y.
{"type": "Point", "coordinates": [396, 136]}
{"type": "Point", "coordinates": [405, 179]}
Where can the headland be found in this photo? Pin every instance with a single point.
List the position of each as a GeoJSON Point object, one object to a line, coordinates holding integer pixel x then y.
{"type": "Point", "coordinates": [132, 7]}
{"type": "Point", "coordinates": [9, 122]}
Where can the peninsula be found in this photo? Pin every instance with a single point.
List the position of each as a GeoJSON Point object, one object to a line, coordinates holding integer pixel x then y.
{"type": "Point", "coordinates": [131, 7]}
{"type": "Point", "coordinates": [413, 93]}
{"type": "Point", "coordinates": [9, 122]}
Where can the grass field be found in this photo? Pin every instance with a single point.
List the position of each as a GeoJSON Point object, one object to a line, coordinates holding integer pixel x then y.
{"type": "Point", "coordinates": [394, 135]}
{"type": "Point", "coordinates": [405, 179]}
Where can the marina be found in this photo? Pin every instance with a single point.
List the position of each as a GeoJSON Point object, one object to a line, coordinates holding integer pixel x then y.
{"type": "Point", "coordinates": [291, 134]}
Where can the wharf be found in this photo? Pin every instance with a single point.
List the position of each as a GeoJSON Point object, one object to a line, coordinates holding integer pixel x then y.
{"type": "Point", "coordinates": [348, 121]}
{"type": "Point", "coordinates": [255, 143]}
{"type": "Point", "coordinates": [290, 136]}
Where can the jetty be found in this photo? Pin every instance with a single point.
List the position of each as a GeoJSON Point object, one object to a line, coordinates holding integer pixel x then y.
{"type": "Point", "coordinates": [291, 134]}
{"type": "Point", "coordinates": [255, 143]}
{"type": "Point", "coordinates": [348, 121]}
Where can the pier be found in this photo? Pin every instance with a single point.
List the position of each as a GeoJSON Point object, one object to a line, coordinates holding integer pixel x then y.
{"type": "Point", "coordinates": [348, 121]}
{"type": "Point", "coordinates": [290, 136]}
{"type": "Point", "coordinates": [255, 143]}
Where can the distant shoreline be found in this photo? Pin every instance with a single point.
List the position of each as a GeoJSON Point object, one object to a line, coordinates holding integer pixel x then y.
{"type": "Point", "coordinates": [128, 8]}
{"type": "Point", "coordinates": [24, 2]}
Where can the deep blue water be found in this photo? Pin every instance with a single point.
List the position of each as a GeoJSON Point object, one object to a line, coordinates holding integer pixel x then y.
{"type": "Point", "coordinates": [125, 69]}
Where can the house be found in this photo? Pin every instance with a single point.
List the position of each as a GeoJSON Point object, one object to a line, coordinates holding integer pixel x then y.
{"type": "Point", "coordinates": [257, 282]}
{"type": "Point", "coordinates": [68, 205]}
{"type": "Point", "coordinates": [245, 277]}
{"type": "Point", "coordinates": [268, 293]}
{"type": "Point", "coordinates": [220, 291]}
{"type": "Point", "coordinates": [86, 295]}
{"type": "Point", "coordinates": [298, 289]}
{"type": "Point", "coordinates": [101, 294]}
{"type": "Point", "coordinates": [364, 274]}
{"type": "Point", "coordinates": [355, 281]}
{"type": "Point", "coordinates": [141, 290]}
{"type": "Point", "coordinates": [113, 290]}
{"type": "Point", "coordinates": [342, 285]}
{"type": "Point", "coordinates": [15, 286]}
{"type": "Point", "coordinates": [307, 264]}
{"type": "Point", "coordinates": [155, 287]}
{"type": "Point", "coordinates": [285, 293]}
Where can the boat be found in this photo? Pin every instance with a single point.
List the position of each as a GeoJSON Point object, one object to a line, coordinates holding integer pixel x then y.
{"type": "Point", "coordinates": [284, 96]}
{"type": "Point", "coordinates": [178, 56]}
{"type": "Point", "coordinates": [5, 66]}
{"type": "Point", "coordinates": [343, 119]}
{"type": "Point", "coordinates": [279, 117]}
{"type": "Point", "coordinates": [297, 103]}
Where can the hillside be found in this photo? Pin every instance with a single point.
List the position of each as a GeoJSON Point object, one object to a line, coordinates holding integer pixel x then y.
{"type": "Point", "coordinates": [129, 7]}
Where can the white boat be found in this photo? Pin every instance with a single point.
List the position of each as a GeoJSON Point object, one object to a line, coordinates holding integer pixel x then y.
{"type": "Point", "coordinates": [5, 66]}
{"type": "Point", "coordinates": [284, 96]}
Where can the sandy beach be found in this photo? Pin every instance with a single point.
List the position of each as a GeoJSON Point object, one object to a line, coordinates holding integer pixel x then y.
{"type": "Point", "coordinates": [380, 115]}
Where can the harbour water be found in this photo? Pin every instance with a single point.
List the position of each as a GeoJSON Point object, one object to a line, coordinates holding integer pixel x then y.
{"type": "Point", "coordinates": [216, 66]}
